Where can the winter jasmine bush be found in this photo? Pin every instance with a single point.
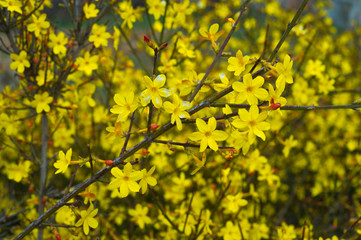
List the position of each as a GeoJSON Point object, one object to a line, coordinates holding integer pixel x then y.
{"type": "Point", "coordinates": [179, 120]}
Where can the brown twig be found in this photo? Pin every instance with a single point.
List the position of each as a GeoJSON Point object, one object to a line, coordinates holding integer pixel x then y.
{"type": "Point", "coordinates": [219, 54]}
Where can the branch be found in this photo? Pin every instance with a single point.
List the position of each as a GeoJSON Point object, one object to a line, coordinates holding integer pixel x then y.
{"type": "Point", "coordinates": [186, 144]}
{"type": "Point", "coordinates": [289, 28]}
{"type": "Point", "coordinates": [219, 54]}
{"type": "Point", "coordinates": [43, 167]}
{"type": "Point", "coordinates": [294, 107]}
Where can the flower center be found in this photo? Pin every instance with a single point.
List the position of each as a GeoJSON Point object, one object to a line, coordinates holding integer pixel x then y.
{"type": "Point", "coordinates": [252, 123]}
{"type": "Point", "coordinates": [208, 134]}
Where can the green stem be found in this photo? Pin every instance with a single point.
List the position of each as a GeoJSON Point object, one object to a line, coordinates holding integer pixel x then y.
{"type": "Point", "coordinates": [43, 168]}
{"type": "Point", "coordinates": [163, 26]}
{"type": "Point", "coordinates": [219, 54]}
{"type": "Point", "coordinates": [294, 107]}
{"type": "Point", "coordinates": [289, 28]}
{"type": "Point", "coordinates": [133, 50]}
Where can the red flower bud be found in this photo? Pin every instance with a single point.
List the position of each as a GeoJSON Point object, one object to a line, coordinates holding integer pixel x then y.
{"type": "Point", "coordinates": [148, 42]}
{"type": "Point", "coordinates": [164, 45]}
{"type": "Point", "coordinates": [109, 162]}
{"type": "Point", "coordinates": [70, 44]}
{"type": "Point", "coordinates": [275, 106]}
{"type": "Point", "coordinates": [154, 127]}
{"type": "Point", "coordinates": [144, 152]}
{"type": "Point", "coordinates": [146, 39]}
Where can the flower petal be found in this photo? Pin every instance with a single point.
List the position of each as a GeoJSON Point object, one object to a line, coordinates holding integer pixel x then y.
{"type": "Point", "coordinates": [212, 144]}
{"type": "Point", "coordinates": [219, 135]}
{"type": "Point", "coordinates": [212, 124]}
{"type": "Point", "coordinates": [201, 125]}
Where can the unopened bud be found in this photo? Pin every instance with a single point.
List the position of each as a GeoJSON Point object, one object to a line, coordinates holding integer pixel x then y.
{"type": "Point", "coordinates": [148, 42]}
{"type": "Point", "coordinates": [109, 162]}
{"type": "Point", "coordinates": [154, 127]}
{"type": "Point", "coordinates": [231, 20]}
{"type": "Point", "coordinates": [144, 152]}
{"type": "Point", "coordinates": [275, 106]}
{"type": "Point", "coordinates": [164, 45]}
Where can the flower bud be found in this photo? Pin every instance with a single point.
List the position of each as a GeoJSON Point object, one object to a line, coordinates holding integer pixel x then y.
{"type": "Point", "coordinates": [109, 162]}
{"type": "Point", "coordinates": [164, 45]}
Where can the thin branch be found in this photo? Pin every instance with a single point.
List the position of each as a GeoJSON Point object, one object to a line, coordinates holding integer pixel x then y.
{"type": "Point", "coordinates": [294, 107]}
{"type": "Point", "coordinates": [127, 137]}
{"type": "Point", "coordinates": [263, 51]}
{"type": "Point", "coordinates": [351, 228]}
{"type": "Point", "coordinates": [72, 178]}
{"type": "Point", "coordinates": [150, 24]}
{"type": "Point", "coordinates": [185, 145]}
{"type": "Point", "coordinates": [219, 54]}
{"type": "Point", "coordinates": [209, 101]}
{"type": "Point", "coordinates": [164, 213]}
{"type": "Point", "coordinates": [43, 167]}
{"type": "Point", "coordinates": [163, 24]}
{"type": "Point", "coordinates": [215, 208]}
{"type": "Point", "coordinates": [289, 28]}
{"type": "Point", "coordinates": [188, 211]}
{"type": "Point", "coordinates": [155, 61]}
{"type": "Point", "coordinates": [133, 50]}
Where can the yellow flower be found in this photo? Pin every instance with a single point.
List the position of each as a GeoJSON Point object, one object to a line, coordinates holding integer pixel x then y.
{"type": "Point", "coordinates": [237, 64]}
{"type": "Point", "coordinates": [12, 5]}
{"type": "Point", "coordinates": [289, 143]}
{"type": "Point", "coordinates": [39, 24]}
{"type": "Point", "coordinates": [19, 171]}
{"type": "Point", "coordinates": [178, 110]}
{"type": "Point", "coordinates": [212, 34]}
{"type": "Point", "coordinates": [275, 95]}
{"type": "Point", "coordinates": [147, 179]}
{"type": "Point", "coordinates": [127, 13]}
{"type": "Point", "coordinates": [235, 202]}
{"type": "Point", "coordinates": [65, 215]}
{"type": "Point", "coordinates": [87, 219]}
{"type": "Point", "coordinates": [44, 77]}
{"type": "Point", "coordinates": [63, 162]}
{"type": "Point", "coordinates": [87, 63]}
{"type": "Point", "coordinates": [154, 91]}
{"type": "Point", "coordinates": [90, 11]}
{"type": "Point", "coordinates": [139, 215]}
{"type": "Point", "coordinates": [284, 72]}
{"type": "Point", "coordinates": [314, 68]}
{"type": "Point", "coordinates": [41, 102]}
{"type": "Point", "coordinates": [20, 62]}
{"type": "Point", "coordinates": [125, 181]}
{"type": "Point", "coordinates": [275, 99]}
{"type": "Point", "coordinates": [208, 135]}
{"type": "Point", "coordinates": [126, 105]}
{"type": "Point", "coordinates": [99, 35]}
{"type": "Point", "coordinates": [254, 121]}
{"type": "Point", "coordinates": [325, 85]}
{"type": "Point", "coordinates": [156, 8]}
{"type": "Point", "coordinates": [57, 43]}
{"type": "Point", "coordinates": [230, 231]}
{"type": "Point", "coordinates": [250, 90]}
